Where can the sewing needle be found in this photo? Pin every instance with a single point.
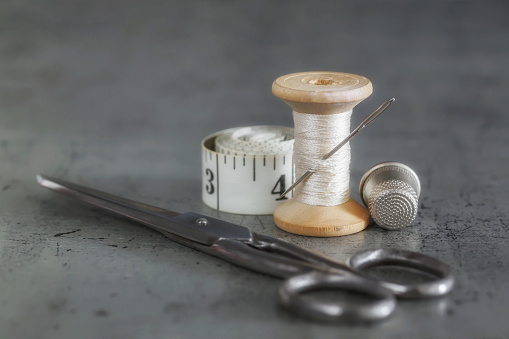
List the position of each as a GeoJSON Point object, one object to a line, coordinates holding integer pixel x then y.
{"type": "Point", "coordinates": [363, 124]}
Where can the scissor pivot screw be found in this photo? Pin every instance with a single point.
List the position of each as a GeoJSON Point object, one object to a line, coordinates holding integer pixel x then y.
{"type": "Point", "coordinates": [202, 222]}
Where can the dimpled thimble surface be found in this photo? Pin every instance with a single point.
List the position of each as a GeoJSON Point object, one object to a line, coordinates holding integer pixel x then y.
{"type": "Point", "coordinates": [391, 192]}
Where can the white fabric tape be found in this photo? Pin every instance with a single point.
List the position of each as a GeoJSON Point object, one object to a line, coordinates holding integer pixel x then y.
{"type": "Point", "coordinates": [246, 169]}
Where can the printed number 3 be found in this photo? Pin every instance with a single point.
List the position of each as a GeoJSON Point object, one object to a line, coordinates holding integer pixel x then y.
{"type": "Point", "coordinates": [210, 187]}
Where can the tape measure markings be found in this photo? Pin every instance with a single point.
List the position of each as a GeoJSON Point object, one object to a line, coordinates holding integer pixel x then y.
{"type": "Point", "coordinates": [252, 188]}
{"type": "Point", "coordinates": [212, 185]}
{"type": "Point", "coordinates": [217, 180]}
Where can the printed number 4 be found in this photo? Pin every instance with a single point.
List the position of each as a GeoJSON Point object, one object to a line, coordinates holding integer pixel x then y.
{"type": "Point", "coordinates": [280, 187]}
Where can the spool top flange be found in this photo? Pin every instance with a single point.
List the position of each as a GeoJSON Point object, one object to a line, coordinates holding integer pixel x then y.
{"type": "Point", "coordinates": [322, 92]}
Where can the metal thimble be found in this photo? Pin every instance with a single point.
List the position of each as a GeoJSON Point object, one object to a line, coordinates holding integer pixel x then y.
{"type": "Point", "coordinates": [390, 191]}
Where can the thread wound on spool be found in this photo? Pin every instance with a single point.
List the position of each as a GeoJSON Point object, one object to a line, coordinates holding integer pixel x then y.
{"type": "Point", "coordinates": [315, 136]}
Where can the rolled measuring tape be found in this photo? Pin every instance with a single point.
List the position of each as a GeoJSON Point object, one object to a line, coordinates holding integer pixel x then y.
{"type": "Point", "coordinates": [246, 169]}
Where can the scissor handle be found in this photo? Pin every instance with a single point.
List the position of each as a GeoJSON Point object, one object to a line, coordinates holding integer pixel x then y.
{"type": "Point", "coordinates": [380, 257]}
{"type": "Point", "coordinates": [291, 291]}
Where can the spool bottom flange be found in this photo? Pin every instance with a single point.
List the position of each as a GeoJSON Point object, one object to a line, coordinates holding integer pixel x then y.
{"type": "Point", "coordinates": [321, 221]}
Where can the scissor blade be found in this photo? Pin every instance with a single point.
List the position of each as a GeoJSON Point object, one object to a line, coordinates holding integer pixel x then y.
{"type": "Point", "coordinates": [81, 192]}
{"type": "Point", "coordinates": [164, 221]}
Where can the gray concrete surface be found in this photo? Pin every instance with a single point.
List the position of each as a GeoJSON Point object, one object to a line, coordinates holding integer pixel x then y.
{"type": "Point", "coordinates": [118, 94]}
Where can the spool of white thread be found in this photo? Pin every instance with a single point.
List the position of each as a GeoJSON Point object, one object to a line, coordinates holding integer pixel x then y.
{"type": "Point", "coordinates": [322, 103]}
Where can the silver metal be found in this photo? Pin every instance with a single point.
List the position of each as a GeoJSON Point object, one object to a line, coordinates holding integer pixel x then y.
{"type": "Point", "coordinates": [176, 224]}
{"type": "Point", "coordinates": [391, 192]}
{"type": "Point", "coordinates": [202, 222]}
{"type": "Point", "coordinates": [305, 270]}
{"type": "Point", "coordinates": [290, 296]}
{"type": "Point", "coordinates": [363, 260]}
{"type": "Point", "coordinates": [363, 124]}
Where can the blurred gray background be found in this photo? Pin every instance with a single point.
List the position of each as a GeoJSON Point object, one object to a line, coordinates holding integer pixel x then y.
{"type": "Point", "coordinates": [117, 95]}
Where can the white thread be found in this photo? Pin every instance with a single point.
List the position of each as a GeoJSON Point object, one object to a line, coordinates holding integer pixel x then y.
{"type": "Point", "coordinates": [315, 136]}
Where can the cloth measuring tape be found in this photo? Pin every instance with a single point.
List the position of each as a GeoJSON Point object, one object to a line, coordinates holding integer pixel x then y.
{"type": "Point", "coordinates": [246, 169]}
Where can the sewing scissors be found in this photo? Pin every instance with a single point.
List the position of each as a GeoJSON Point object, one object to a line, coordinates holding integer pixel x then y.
{"type": "Point", "coordinates": [303, 270]}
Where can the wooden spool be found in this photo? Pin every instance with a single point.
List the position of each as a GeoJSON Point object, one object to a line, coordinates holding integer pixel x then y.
{"type": "Point", "coordinates": [321, 93]}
